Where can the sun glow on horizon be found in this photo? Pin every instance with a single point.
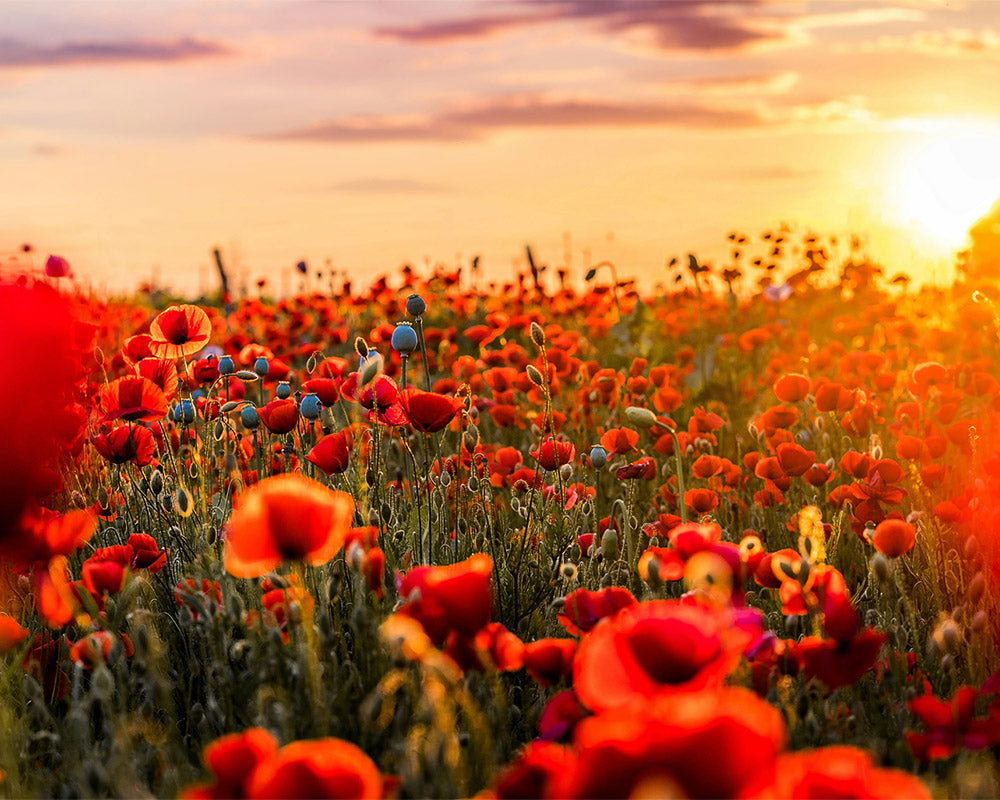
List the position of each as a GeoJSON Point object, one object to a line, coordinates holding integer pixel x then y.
{"type": "Point", "coordinates": [948, 181]}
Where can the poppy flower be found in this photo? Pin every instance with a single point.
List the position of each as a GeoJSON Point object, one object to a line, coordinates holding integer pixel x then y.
{"type": "Point", "coordinates": [550, 660]}
{"type": "Point", "coordinates": [103, 577]}
{"type": "Point", "coordinates": [11, 634]}
{"type": "Point", "coordinates": [451, 598]}
{"type": "Point", "coordinates": [583, 608]}
{"type": "Point", "coordinates": [794, 459]}
{"type": "Point", "coordinates": [553, 454]}
{"type": "Point", "coordinates": [279, 416]}
{"type": "Point", "coordinates": [701, 501]}
{"type": "Point", "coordinates": [713, 743]}
{"type": "Point", "coordinates": [493, 647]}
{"type": "Point", "coordinates": [642, 468]}
{"type": "Point", "coordinates": [127, 443]}
{"type": "Point", "coordinates": [530, 773]}
{"type": "Point", "coordinates": [951, 726]}
{"type": "Point", "coordinates": [286, 518]}
{"type": "Point", "coordinates": [839, 662]}
{"type": "Point", "coordinates": [894, 537]}
{"type": "Point", "coordinates": [319, 768]}
{"type": "Point", "coordinates": [791, 387]}
{"type": "Point", "coordinates": [661, 646]}
{"type": "Point", "coordinates": [326, 389]}
{"type": "Point", "coordinates": [332, 453]}
{"type": "Point", "coordinates": [619, 441]}
{"type": "Point", "coordinates": [179, 331]}
{"type": "Point", "coordinates": [837, 771]}
{"type": "Point", "coordinates": [428, 411]}
{"type": "Point", "coordinates": [146, 554]}
{"type": "Point", "coordinates": [133, 398]}
{"type": "Point", "coordinates": [231, 760]}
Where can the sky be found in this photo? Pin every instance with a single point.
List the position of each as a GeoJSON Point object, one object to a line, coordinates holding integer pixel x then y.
{"type": "Point", "coordinates": [137, 136]}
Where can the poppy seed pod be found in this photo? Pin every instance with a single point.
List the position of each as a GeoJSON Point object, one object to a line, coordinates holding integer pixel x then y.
{"type": "Point", "coordinates": [284, 391]}
{"type": "Point", "coordinates": [598, 456]}
{"type": "Point", "coordinates": [310, 407]}
{"type": "Point", "coordinates": [226, 365]}
{"type": "Point", "coordinates": [415, 305]}
{"type": "Point", "coordinates": [261, 367]}
{"type": "Point", "coordinates": [249, 417]}
{"type": "Point", "coordinates": [184, 412]}
{"type": "Point", "coordinates": [404, 338]}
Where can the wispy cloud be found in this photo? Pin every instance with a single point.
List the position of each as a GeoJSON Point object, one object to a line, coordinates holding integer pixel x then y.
{"type": "Point", "coordinates": [753, 83]}
{"type": "Point", "coordinates": [16, 54]}
{"type": "Point", "coordinates": [701, 25]}
{"type": "Point", "coordinates": [389, 186]}
{"type": "Point", "coordinates": [950, 43]}
{"type": "Point", "coordinates": [522, 112]}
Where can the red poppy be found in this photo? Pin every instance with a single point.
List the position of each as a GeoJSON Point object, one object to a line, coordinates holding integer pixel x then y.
{"type": "Point", "coordinates": [280, 416]}
{"type": "Point", "coordinates": [839, 662]}
{"type": "Point", "coordinates": [619, 441]}
{"type": "Point", "coordinates": [583, 609]}
{"type": "Point", "coordinates": [11, 634]}
{"type": "Point", "coordinates": [428, 411]}
{"type": "Point", "coordinates": [452, 598]}
{"type": "Point", "coordinates": [127, 443]}
{"type": "Point", "coordinates": [530, 773]}
{"type": "Point", "coordinates": [837, 771]}
{"type": "Point", "coordinates": [231, 760]}
{"type": "Point", "coordinates": [698, 744]}
{"type": "Point", "coordinates": [146, 554]}
{"type": "Point", "coordinates": [325, 769]}
{"type": "Point", "coordinates": [332, 453]}
{"type": "Point", "coordinates": [286, 517]}
{"type": "Point", "coordinates": [791, 387]}
{"type": "Point", "coordinates": [642, 468]}
{"type": "Point", "coordinates": [701, 501]}
{"type": "Point", "coordinates": [795, 459]}
{"type": "Point", "coordinates": [707, 466]}
{"type": "Point", "coordinates": [133, 398]}
{"type": "Point", "coordinates": [103, 577]}
{"type": "Point", "coordinates": [951, 726]}
{"type": "Point", "coordinates": [894, 537]}
{"type": "Point", "coordinates": [179, 331]}
{"type": "Point", "coordinates": [661, 646]}
{"type": "Point", "coordinates": [162, 373]}
{"type": "Point", "coordinates": [548, 661]}
{"type": "Point", "coordinates": [326, 389]}
{"type": "Point", "coordinates": [553, 454]}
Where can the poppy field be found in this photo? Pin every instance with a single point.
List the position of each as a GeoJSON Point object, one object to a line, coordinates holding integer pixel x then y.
{"type": "Point", "coordinates": [737, 536]}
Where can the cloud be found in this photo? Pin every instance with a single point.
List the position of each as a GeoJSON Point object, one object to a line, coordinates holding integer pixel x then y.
{"type": "Point", "coordinates": [760, 83]}
{"type": "Point", "coordinates": [389, 186]}
{"type": "Point", "coordinates": [16, 54]}
{"type": "Point", "coordinates": [699, 25]}
{"type": "Point", "coordinates": [521, 112]}
{"type": "Point", "coordinates": [950, 43]}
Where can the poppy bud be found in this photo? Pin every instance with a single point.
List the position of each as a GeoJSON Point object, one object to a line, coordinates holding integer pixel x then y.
{"type": "Point", "coordinates": [249, 417]}
{"type": "Point", "coordinates": [640, 417]}
{"type": "Point", "coordinates": [284, 391]}
{"type": "Point", "coordinates": [261, 367]}
{"type": "Point", "coordinates": [404, 338]}
{"type": "Point", "coordinates": [880, 567]}
{"type": "Point", "coordinates": [533, 374]}
{"type": "Point", "coordinates": [361, 347]}
{"type": "Point", "coordinates": [310, 407]}
{"type": "Point", "coordinates": [415, 305]}
{"type": "Point", "coordinates": [226, 365]}
{"type": "Point", "coordinates": [609, 544]}
{"type": "Point", "coordinates": [184, 412]}
{"type": "Point", "coordinates": [537, 334]}
{"type": "Point", "coordinates": [977, 586]}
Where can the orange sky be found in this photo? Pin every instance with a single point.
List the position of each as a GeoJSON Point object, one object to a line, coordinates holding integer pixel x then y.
{"type": "Point", "coordinates": [135, 136]}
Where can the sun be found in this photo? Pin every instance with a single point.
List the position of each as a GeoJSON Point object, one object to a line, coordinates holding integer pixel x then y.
{"type": "Point", "coordinates": [948, 180]}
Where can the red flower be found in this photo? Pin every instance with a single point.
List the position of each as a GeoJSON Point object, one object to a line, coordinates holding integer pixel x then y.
{"type": "Point", "coordinates": [146, 554]}
{"type": "Point", "coordinates": [280, 416]}
{"type": "Point", "coordinates": [795, 459]}
{"type": "Point", "coordinates": [133, 398]}
{"type": "Point", "coordinates": [697, 744]}
{"type": "Point", "coordinates": [231, 760]}
{"type": "Point", "coordinates": [701, 501]}
{"type": "Point", "coordinates": [619, 441]}
{"type": "Point", "coordinates": [179, 331]}
{"type": "Point", "coordinates": [553, 454]}
{"type": "Point", "coordinates": [286, 517]}
{"type": "Point", "coordinates": [583, 609]}
{"type": "Point", "coordinates": [643, 468]}
{"type": "Point", "coordinates": [332, 453]}
{"type": "Point", "coordinates": [839, 662]}
{"type": "Point", "coordinates": [894, 537]}
{"type": "Point", "coordinates": [451, 598]}
{"type": "Point", "coordinates": [103, 577]}
{"type": "Point", "coordinates": [791, 387]}
{"type": "Point", "coordinates": [548, 661]}
{"type": "Point", "coordinates": [326, 389]}
{"type": "Point", "coordinates": [528, 776]}
{"type": "Point", "coordinates": [428, 411]}
{"type": "Point", "coordinates": [11, 634]}
{"type": "Point", "coordinates": [951, 726]}
{"type": "Point", "coordinates": [127, 443]}
{"type": "Point", "coordinates": [837, 771]}
{"type": "Point", "coordinates": [652, 648]}
{"type": "Point", "coordinates": [320, 768]}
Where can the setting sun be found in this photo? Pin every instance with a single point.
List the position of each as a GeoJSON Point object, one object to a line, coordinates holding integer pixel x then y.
{"type": "Point", "coordinates": [947, 181]}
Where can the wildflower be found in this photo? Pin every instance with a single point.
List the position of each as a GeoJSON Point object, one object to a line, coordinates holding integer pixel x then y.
{"type": "Point", "coordinates": [179, 331]}
{"type": "Point", "coordinates": [332, 453]}
{"type": "Point", "coordinates": [451, 598]}
{"type": "Point", "coordinates": [279, 416]}
{"type": "Point", "coordinates": [583, 608]}
{"type": "Point", "coordinates": [428, 411]}
{"type": "Point", "coordinates": [553, 454]}
{"type": "Point", "coordinates": [134, 399]}
{"type": "Point", "coordinates": [286, 518]}
{"type": "Point", "coordinates": [894, 537]}
{"type": "Point", "coordinates": [126, 443]}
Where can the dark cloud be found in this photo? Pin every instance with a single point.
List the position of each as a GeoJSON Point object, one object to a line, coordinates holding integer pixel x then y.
{"type": "Point", "coordinates": [18, 54]}
{"type": "Point", "coordinates": [706, 25]}
{"type": "Point", "coordinates": [521, 112]}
